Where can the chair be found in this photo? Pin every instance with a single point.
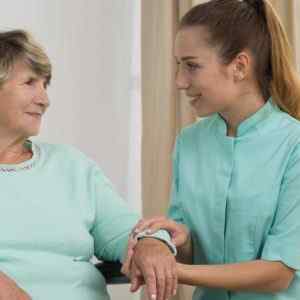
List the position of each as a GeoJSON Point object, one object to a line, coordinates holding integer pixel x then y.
{"type": "Point", "coordinates": [111, 271]}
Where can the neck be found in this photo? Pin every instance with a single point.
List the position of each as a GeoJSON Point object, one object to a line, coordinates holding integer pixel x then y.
{"type": "Point", "coordinates": [12, 150]}
{"type": "Point", "coordinates": [246, 106]}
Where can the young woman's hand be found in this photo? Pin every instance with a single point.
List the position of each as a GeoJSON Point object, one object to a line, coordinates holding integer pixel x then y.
{"type": "Point", "coordinates": [179, 233]}
{"type": "Point", "coordinates": [9, 290]}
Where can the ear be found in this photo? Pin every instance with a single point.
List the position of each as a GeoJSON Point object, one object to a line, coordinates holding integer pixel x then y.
{"type": "Point", "coordinates": [241, 66]}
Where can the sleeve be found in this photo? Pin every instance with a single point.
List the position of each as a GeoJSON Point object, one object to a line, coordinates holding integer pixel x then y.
{"type": "Point", "coordinates": [113, 221]}
{"type": "Point", "coordinates": [175, 209]}
{"type": "Point", "coordinates": [283, 241]}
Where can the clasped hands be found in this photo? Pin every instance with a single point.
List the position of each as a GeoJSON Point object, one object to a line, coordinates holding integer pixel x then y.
{"type": "Point", "coordinates": [150, 261]}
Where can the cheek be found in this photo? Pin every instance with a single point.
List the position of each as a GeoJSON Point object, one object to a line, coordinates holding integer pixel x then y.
{"type": "Point", "coordinates": [207, 80]}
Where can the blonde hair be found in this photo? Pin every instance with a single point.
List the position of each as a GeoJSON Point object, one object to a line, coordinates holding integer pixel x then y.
{"type": "Point", "coordinates": [235, 25]}
{"type": "Point", "coordinates": [18, 45]}
{"type": "Point", "coordinates": [285, 84]}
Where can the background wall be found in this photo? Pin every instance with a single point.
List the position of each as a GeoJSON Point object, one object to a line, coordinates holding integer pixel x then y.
{"type": "Point", "coordinates": [94, 46]}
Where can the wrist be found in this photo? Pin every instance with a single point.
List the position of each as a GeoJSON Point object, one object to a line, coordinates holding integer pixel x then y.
{"type": "Point", "coordinates": [161, 240]}
{"type": "Point", "coordinates": [180, 272]}
{"type": "Point", "coordinates": [150, 241]}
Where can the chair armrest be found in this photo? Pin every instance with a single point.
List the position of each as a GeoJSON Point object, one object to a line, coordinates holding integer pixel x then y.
{"type": "Point", "coordinates": [111, 271]}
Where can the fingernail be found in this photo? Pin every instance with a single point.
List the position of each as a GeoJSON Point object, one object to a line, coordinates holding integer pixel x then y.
{"type": "Point", "coordinates": [136, 230]}
{"type": "Point", "coordinates": [174, 292]}
{"type": "Point", "coordinates": [153, 296]}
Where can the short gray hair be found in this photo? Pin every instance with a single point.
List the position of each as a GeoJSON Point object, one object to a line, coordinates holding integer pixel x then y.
{"type": "Point", "coordinates": [18, 45]}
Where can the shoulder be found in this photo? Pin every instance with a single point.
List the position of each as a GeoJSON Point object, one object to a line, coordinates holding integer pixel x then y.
{"type": "Point", "coordinates": [64, 150]}
{"type": "Point", "coordinates": [65, 156]}
{"type": "Point", "coordinates": [285, 134]}
{"type": "Point", "coordinates": [290, 127]}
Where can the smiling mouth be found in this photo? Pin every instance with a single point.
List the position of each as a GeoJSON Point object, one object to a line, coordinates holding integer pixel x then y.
{"type": "Point", "coordinates": [36, 115]}
{"type": "Point", "coordinates": [194, 101]}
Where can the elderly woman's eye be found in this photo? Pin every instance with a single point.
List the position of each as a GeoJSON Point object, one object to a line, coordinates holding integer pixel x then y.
{"type": "Point", "coordinates": [30, 81]}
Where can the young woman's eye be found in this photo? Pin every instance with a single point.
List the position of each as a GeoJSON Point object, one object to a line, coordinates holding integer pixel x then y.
{"type": "Point", "coordinates": [192, 66]}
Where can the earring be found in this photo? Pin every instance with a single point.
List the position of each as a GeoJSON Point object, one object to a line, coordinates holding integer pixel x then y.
{"type": "Point", "coordinates": [239, 76]}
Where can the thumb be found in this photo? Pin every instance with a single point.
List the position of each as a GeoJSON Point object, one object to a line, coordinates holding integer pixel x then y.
{"type": "Point", "coordinates": [134, 284]}
{"type": "Point", "coordinates": [126, 265]}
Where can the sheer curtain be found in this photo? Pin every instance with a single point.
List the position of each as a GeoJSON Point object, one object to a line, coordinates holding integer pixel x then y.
{"type": "Point", "coordinates": [164, 109]}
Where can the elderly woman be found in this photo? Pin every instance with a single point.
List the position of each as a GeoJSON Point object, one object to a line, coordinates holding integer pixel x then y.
{"type": "Point", "coordinates": [57, 209]}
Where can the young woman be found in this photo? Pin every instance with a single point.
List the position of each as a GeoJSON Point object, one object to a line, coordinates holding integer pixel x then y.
{"type": "Point", "coordinates": [236, 173]}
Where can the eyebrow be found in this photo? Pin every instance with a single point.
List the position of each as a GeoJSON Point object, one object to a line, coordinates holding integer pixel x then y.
{"type": "Point", "coordinates": [186, 58]}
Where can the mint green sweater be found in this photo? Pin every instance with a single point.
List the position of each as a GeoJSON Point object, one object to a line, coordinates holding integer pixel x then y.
{"type": "Point", "coordinates": [57, 210]}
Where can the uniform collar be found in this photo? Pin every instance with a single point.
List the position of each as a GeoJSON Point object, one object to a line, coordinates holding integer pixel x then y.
{"type": "Point", "coordinates": [251, 123]}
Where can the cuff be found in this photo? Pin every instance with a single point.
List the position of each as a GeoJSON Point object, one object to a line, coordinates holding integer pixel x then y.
{"type": "Point", "coordinates": [161, 235]}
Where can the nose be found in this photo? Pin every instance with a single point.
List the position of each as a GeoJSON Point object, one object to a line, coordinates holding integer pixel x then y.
{"type": "Point", "coordinates": [41, 97]}
{"type": "Point", "coordinates": [182, 81]}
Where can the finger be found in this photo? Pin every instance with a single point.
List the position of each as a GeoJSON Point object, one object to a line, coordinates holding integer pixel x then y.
{"type": "Point", "coordinates": [181, 238]}
{"type": "Point", "coordinates": [155, 226]}
{"type": "Point", "coordinates": [137, 278]}
{"type": "Point", "coordinates": [160, 282]}
{"type": "Point", "coordinates": [151, 284]}
{"type": "Point", "coordinates": [175, 279]}
{"type": "Point", "coordinates": [145, 223]}
{"type": "Point", "coordinates": [168, 283]}
{"type": "Point", "coordinates": [134, 284]}
{"type": "Point", "coordinates": [179, 234]}
{"type": "Point", "coordinates": [140, 224]}
{"type": "Point", "coordinates": [139, 282]}
{"type": "Point", "coordinates": [125, 269]}
{"type": "Point", "coordinates": [134, 278]}
{"type": "Point", "coordinates": [140, 228]}
{"type": "Point", "coordinates": [127, 263]}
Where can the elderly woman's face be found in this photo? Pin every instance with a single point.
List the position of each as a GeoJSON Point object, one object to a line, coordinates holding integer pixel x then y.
{"type": "Point", "coordinates": [23, 101]}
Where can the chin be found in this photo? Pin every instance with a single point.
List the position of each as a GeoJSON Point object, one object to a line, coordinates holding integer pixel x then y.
{"type": "Point", "coordinates": [35, 132]}
{"type": "Point", "coordinates": [200, 113]}
{"type": "Point", "coordinates": [28, 132]}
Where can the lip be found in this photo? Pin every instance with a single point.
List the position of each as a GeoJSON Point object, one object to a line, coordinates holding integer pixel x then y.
{"type": "Point", "coordinates": [35, 114]}
{"type": "Point", "coordinates": [194, 101]}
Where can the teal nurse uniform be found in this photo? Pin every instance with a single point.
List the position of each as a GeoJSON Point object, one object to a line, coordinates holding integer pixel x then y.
{"type": "Point", "coordinates": [240, 196]}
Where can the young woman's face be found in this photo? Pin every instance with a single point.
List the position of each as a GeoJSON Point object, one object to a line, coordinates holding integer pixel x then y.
{"type": "Point", "coordinates": [206, 80]}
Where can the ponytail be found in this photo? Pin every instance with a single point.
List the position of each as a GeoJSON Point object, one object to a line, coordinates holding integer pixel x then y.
{"type": "Point", "coordinates": [235, 25]}
{"type": "Point", "coordinates": [285, 83]}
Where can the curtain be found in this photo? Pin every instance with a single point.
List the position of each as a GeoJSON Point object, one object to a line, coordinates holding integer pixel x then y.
{"type": "Point", "coordinates": [165, 111]}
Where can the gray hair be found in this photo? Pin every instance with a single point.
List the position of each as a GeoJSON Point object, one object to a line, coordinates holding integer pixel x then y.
{"type": "Point", "coordinates": [18, 45]}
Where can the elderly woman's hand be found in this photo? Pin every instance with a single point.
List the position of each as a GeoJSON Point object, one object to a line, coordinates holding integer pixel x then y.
{"type": "Point", "coordinates": [153, 262]}
{"type": "Point", "coordinates": [9, 290]}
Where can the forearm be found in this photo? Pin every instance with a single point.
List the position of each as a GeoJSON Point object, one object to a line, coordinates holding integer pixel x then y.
{"type": "Point", "coordinates": [256, 276]}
